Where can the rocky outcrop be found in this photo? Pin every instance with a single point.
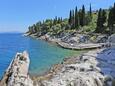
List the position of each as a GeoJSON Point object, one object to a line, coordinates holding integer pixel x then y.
{"type": "Point", "coordinates": [81, 46]}
{"type": "Point", "coordinates": [101, 39]}
{"type": "Point", "coordinates": [75, 38]}
{"type": "Point", "coordinates": [17, 72]}
{"type": "Point", "coordinates": [111, 40]}
{"type": "Point", "coordinates": [95, 68]}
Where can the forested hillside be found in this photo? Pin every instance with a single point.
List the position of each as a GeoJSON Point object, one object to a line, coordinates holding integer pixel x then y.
{"type": "Point", "coordinates": [99, 21]}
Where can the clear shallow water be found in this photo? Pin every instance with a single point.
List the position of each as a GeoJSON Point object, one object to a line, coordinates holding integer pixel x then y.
{"type": "Point", "coordinates": [42, 54]}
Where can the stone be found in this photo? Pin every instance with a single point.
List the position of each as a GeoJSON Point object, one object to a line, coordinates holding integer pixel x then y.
{"type": "Point", "coordinates": [17, 72]}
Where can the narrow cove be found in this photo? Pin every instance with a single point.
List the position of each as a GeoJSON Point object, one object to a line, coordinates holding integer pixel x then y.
{"type": "Point", "coordinates": [43, 55]}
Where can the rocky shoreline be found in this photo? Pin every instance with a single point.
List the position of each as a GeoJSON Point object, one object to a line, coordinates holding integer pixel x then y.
{"type": "Point", "coordinates": [76, 41]}
{"type": "Point", "coordinates": [89, 69]}
{"type": "Point", "coordinates": [94, 68]}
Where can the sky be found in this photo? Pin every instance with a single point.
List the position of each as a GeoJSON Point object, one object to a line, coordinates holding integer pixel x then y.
{"type": "Point", "coordinates": [17, 15]}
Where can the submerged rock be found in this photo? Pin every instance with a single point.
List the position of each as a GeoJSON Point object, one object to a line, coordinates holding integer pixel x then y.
{"type": "Point", "coordinates": [17, 72]}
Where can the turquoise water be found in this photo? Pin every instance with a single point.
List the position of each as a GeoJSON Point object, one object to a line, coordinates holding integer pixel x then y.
{"type": "Point", "coordinates": [42, 54]}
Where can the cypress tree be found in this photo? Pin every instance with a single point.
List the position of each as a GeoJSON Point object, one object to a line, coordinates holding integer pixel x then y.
{"type": "Point", "coordinates": [104, 17]}
{"type": "Point", "coordinates": [70, 17]}
{"type": "Point", "coordinates": [59, 20]}
{"type": "Point", "coordinates": [76, 18]}
{"type": "Point", "coordinates": [80, 17]}
{"type": "Point", "coordinates": [83, 16]}
{"type": "Point", "coordinates": [90, 12]}
{"type": "Point", "coordinates": [73, 20]}
{"type": "Point", "coordinates": [114, 13]}
{"type": "Point", "coordinates": [55, 20]}
{"type": "Point", "coordinates": [99, 25]}
{"type": "Point", "coordinates": [100, 21]}
{"type": "Point", "coordinates": [88, 17]}
{"type": "Point", "coordinates": [111, 20]}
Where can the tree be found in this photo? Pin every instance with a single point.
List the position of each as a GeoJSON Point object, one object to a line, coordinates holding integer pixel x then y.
{"type": "Point", "coordinates": [104, 16]}
{"type": "Point", "coordinates": [55, 20]}
{"type": "Point", "coordinates": [88, 17]}
{"type": "Point", "coordinates": [80, 17]}
{"type": "Point", "coordinates": [34, 28]}
{"type": "Point", "coordinates": [83, 16]}
{"type": "Point", "coordinates": [30, 29]}
{"type": "Point", "coordinates": [38, 24]}
{"type": "Point", "coordinates": [59, 20]}
{"type": "Point", "coordinates": [99, 25]}
{"type": "Point", "coordinates": [76, 18]}
{"type": "Point", "coordinates": [70, 17]}
{"type": "Point", "coordinates": [101, 20]}
{"type": "Point", "coordinates": [73, 20]}
{"type": "Point", "coordinates": [90, 12]}
{"type": "Point", "coordinates": [114, 14]}
{"type": "Point", "coordinates": [111, 20]}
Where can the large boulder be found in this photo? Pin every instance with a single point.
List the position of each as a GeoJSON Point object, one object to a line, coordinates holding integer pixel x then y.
{"type": "Point", "coordinates": [111, 39]}
{"type": "Point", "coordinates": [101, 39]}
{"type": "Point", "coordinates": [17, 72]}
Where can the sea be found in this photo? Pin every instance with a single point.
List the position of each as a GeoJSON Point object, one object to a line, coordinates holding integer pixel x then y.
{"type": "Point", "coordinates": [43, 55]}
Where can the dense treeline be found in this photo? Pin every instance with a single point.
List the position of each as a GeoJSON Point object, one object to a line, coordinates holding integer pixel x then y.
{"type": "Point", "coordinates": [100, 21]}
{"type": "Point", "coordinates": [80, 18]}
{"type": "Point", "coordinates": [111, 20]}
{"type": "Point", "coordinates": [106, 22]}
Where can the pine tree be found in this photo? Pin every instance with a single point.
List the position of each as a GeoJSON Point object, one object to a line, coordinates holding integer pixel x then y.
{"type": "Point", "coordinates": [76, 18]}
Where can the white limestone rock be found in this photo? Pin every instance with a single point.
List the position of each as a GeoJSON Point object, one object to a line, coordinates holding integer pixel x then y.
{"type": "Point", "coordinates": [94, 68]}
{"type": "Point", "coordinates": [17, 72]}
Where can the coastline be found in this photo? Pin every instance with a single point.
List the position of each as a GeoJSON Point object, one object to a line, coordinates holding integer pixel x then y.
{"type": "Point", "coordinates": [70, 46]}
{"type": "Point", "coordinates": [69, 66]}
{"type": "Point", "coordinates": [56, 69]}
{"type": "Point", "coordinates": [88, 66]}
{"type": "Point", "coordinates": [81, 65]}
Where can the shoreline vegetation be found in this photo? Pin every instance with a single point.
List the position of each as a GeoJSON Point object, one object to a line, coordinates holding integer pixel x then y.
{"type": "Point", "coordinates": [82, 30]}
